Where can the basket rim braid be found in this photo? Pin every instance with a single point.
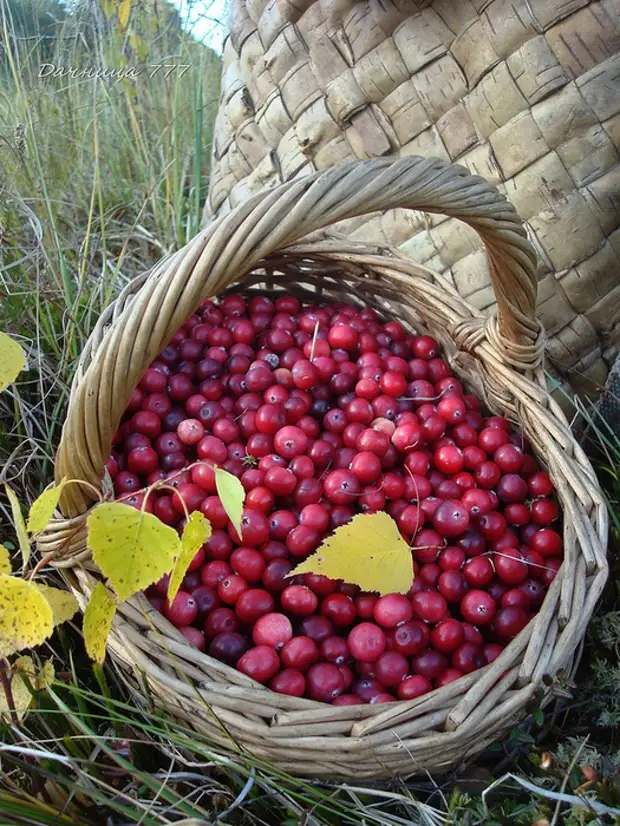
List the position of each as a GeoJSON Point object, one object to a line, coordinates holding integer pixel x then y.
{"type": "Point", "coordinates": [274, 242]}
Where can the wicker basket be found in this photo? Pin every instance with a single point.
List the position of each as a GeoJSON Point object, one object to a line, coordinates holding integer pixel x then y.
{"type": "Point", "coordinates": [272, 240]}
{"type": "Point", "coordinates": [525, 94]}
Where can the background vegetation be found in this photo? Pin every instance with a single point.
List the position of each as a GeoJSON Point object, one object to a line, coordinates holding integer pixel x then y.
{"type": "Point", "coordinates": [98, 179]}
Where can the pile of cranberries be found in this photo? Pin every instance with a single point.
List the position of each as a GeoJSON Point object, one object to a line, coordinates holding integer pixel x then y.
{"type": "Point", "coordinates": [323, 412]}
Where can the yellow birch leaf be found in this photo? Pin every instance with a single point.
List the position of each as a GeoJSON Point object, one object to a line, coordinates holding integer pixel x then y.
{"type": "Point", "coordinates": [5, 560]}
{"type": "Point", "coordinates": [195, 534]}
{"type": "Point", "coordinates": [132, 548]}
{"type": "Point", "coordinates": [20, 525]}
{"type": "Point", "coordinates": [26, 617]}
{"type": "Point", "coordinates": [368, 551]}
{"type": "Point", "coordinates": [12, 360]}
{"type": "Point", "coordinates": [63, 604]}
{"type": "Point", "coordinates": [232, 495]}
{"type": "Point", "coordinates": [97, 623]}
{"type": "Point", "coordinates": [124, 10]}
{"type": "Point", "coordinates": [42, 509]}
{"type": "Point", "coordinates": [22, 698]}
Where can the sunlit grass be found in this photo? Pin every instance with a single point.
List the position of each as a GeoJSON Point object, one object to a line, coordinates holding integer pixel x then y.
{"type": "Point", "coordinates": [98, 180]}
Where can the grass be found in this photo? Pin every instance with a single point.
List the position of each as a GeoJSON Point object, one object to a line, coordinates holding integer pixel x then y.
{"type": "Point", "coordinates": [99, 179]}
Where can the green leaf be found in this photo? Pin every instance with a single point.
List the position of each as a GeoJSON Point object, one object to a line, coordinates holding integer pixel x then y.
{"type": "Point", "coordinates": [97, 622]}
{"type": "Point", "coordinates": [132, 548]}
{"type": "Point", "coordinates": [43, 508]}
{"type": "Point", "coordinates": [538, 716]}
{"type": "Point", "coordinates": [12, 360]}
{"type": "Point", "coordinates": [368, 551]}
{"type": "Point", "coordinates": [20, 525]}
{"type": "Point", "coordinates": [63, 604]}
{"type": "Point", "coordinates": [26, 617]}
{"type": "Point", "coordinates": [195, 534]}
{"type": "Point", "coordinates": [5, 560]}
{"type": "Point", "coordinates": [232, 495]}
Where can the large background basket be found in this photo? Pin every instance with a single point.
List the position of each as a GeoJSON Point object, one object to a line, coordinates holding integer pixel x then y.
{"type": "Point", "coordinates": [274, 239]}
{"type": "Point", "coordinates": [526, 94]}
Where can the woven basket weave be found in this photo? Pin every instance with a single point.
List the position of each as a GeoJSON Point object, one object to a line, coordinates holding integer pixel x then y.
{"type": "Point", "coordinates": [526, 94]}
{"type": "Point", "coordinates": [273, 241]}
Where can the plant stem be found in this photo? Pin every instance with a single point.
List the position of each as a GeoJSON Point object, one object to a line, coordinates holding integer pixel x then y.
{"type": "Point", "coordinates": [5, 679]}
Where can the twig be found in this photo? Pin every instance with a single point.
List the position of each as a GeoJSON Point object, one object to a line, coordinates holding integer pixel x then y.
{"type": "Point", "coordinates": [8, 691]}
{"type": "Point", "coordinates": [40, 564]}
{"type": "Point", "coordinates": [570, 768]}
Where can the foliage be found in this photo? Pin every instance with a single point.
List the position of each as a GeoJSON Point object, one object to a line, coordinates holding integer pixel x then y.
{"type": "Point", "coordinates": [34, 20]}
{"type": "Point", "coordinates": [29, 610]}
{"type": "Point", "coordinates": [368, 551]}
{"type": "Point", "coordinates": [12, 360]}
{"type": "Point", "coordinates": [97, 623]}
{"type": "Point", "coordinates": [43, 508]}
{"type": "Point", "coordinates": [132, 548]}
{"type": "Point", "coordinates": [196, 533]}
{"type": "Point", "coordinates": [232, 495]}
{"type": "Point", "coordinates": [63, 604]}
{"type": "Point", "coordinates": [26, 617]}
{"type": "Point", "coordinates": [26, 677]}
{"type": "Point", "coordinates": [99, 178]}
{"type": "Point", "coordinates": [20, 525]}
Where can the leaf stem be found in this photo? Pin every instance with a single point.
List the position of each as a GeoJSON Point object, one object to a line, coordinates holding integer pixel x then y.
{"type": "Point", "coordinates": [43, 561]}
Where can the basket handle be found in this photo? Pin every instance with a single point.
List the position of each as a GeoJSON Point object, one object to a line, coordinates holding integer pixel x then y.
{"type": "Point", "coordinates": [232, 245]}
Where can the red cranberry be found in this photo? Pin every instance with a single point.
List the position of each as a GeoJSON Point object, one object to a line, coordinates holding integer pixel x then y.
{"type": "Point", "coordinates": [391, 668]}
{"type": "Point", "coordinates": [429, 606]}
{"type": "Point", "coordinates": [182, 611]}
{"type": "Point", "coordinates": [324, 682]}
{"type": "Point", "coordinates": [509, 621]}
{"type": "Point", "coordinates": [414, 686]}
{"type": "Point", "coordinates": [468, 657]}
{"type": "Point", "coordinates": [478, 607]}
{"type": "Point", "coordinates": [228, 647]}
{"type": "Point", "coordinates": [451, 518]}
{"type": "Point", "coordinates": [299, 600]}
{"type": "Point", "coordinates": [545, 541]}
{"type": "Point", "coordinates": [391, 610]}
{"type": "Point", "coordinates": [452, 585]}
{"type": "Point", "coordinates": [289, 682]}
{"type": "Point", "coordinates": [260, 663]}
{"type": "Point", "coordinates": [429, 664]}
{"type": "Point", "coordinates": [195, 637]}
